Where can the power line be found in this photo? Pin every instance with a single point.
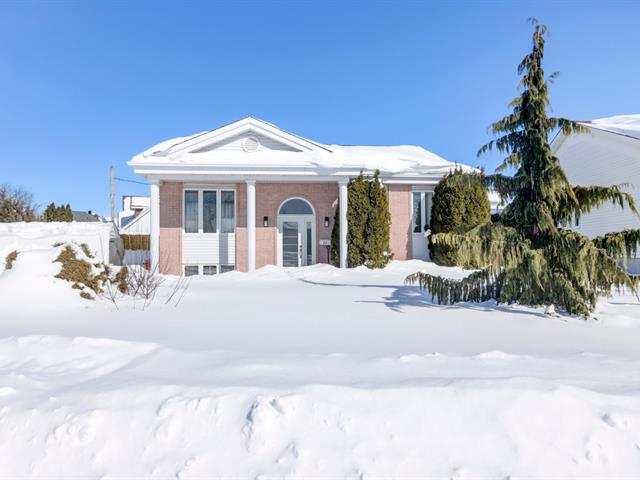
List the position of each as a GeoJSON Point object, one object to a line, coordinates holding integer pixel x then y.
{"type": "Point", "coordinates": [130, 181]}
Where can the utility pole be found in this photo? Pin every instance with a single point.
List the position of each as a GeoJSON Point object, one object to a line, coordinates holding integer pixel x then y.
{"type": "Point", "coordinates": [112, 172]}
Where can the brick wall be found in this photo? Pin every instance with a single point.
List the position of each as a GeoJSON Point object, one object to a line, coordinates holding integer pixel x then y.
{"type": "Point", "coordinates": [323, 197]}
{"type": "Point", "coordinates": [400, 210]}
{"type": "Point", "coordinates": [171, 228]}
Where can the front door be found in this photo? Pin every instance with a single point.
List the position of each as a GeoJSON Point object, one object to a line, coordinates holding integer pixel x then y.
{"type": "Point", "coordinates": [296, 240]}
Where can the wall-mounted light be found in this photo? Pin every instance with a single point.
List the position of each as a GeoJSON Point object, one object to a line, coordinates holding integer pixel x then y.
{"type": "Point", "coordinates": [326, 221]}
{"type": "Point", "coordinates": [265, 221]}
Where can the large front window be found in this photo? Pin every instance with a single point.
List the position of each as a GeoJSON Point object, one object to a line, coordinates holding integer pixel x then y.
{"type": "Point", "coordinates": [209, 211]}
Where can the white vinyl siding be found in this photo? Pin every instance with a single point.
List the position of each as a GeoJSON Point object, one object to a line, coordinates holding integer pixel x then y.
{"type": "Point", "coordinates": [235, 143]}
{"type": "Point", "coordinates": [207, 245]}
{"type": "Point", "coordinates": [603, 158]}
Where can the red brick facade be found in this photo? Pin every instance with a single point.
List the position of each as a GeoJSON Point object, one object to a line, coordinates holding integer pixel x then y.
{"type": "Point", "coordinates": [323, 197]}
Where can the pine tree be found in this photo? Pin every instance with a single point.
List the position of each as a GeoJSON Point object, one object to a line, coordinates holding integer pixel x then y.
{"type": "Point", "coordinates": [67, 215]}
{"type": "Point", "coordinates": [49, 213]}
{"type": "Point", "coordinates": [527, 257]}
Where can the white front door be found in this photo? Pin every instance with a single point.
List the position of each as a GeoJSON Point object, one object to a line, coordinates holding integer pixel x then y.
{"type": "Point", "coordinates": [421, 202]}
{"type": "Point", "coordinates": [296, 240]}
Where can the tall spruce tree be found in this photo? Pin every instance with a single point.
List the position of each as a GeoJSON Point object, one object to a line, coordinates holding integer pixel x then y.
{"type": "Point", "coordinates": [528, 257]}
{"type": "Point", "coordinates": [377, 227]}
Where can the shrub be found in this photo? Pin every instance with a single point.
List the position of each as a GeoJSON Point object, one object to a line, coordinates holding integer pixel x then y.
{"type": "Point", "coordinates": [122, 280]}
{"type": "Point", "coordinates": [85, 249]}
{"type": "Point", "coordinates": [87, 296]}
{"type": "Point", "coordinates": [460, 202]}
{"type": "Point", "coordinates": [368, 219]}
{"type": "Point", "coordinates": [76, 270]}
{"type": "Point", "coordinates": [8, 263]}
{"type": "Point", "coordinates": [16, 205]}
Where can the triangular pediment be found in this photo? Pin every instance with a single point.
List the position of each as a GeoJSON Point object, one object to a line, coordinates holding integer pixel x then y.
{"type": "Point", "coordinates": [247, 135]}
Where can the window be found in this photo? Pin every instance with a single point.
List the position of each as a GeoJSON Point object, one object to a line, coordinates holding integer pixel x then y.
{"type": "Point", "coordinates": [209, 211]}
{"type": "Point", "coordinates": [209, 269]}
{"type": "Point", "coordinates": [228, 214]}
{"type": "Point", "coordinates": [191, 211]}
{"type": "Point", "coordinates": [190, 270]}
{"type": "Point", "coordinates": [227, 268]}
{"type": "Point", "coordinates": [421, 211]}
{"type": "Point", "coordinates": [417, 212]}
{"type": "Point", "coordinates": [295, 206]}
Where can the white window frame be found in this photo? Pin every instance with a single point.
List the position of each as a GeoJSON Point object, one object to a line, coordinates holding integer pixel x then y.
{"type": "Point", "coordinates": [214, 188]}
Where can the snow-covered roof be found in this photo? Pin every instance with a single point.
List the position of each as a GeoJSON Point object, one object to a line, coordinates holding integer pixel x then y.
{"type": "Point", "coordinates": [290, 151]}
{"type": "Point", "coordinates": [628, 125]}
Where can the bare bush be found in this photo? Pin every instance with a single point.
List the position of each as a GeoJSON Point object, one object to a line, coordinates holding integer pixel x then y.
{"type": "Point", "coordinates": [144, 283]}
{"type": "Point", "coordinates": [16, 205]}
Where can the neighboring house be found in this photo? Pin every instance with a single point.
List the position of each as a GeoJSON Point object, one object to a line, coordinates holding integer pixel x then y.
{"type": "Point", "coordinates": [132, 207]}
{"type": "Point", "coordinates": [89, 216]}
{"type": "Point", "coordinates": [608, 154]}
{"type": "Point", "coordinates": [249, 194]}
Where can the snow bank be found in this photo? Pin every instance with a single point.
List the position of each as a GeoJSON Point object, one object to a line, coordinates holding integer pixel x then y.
{"type": "Point", "coordinates": [98, 408]}
{"type": "Point", "coordinates": [310, 372]}
{"type": "Point", "coordinates": [24, 236]}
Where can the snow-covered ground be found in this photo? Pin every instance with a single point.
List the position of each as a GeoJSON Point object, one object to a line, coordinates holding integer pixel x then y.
{"type": "Point", "coordinates": [311, 372]}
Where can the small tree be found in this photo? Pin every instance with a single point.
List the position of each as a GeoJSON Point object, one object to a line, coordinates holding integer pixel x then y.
{"type": "Point", "coordinates": [457, 206]}
{"type": "Point", "coordinates": [357, 217]}
{"type": "Point", "coordinates": [377, 228]}
{"type": "Point", "coordinates": [368, 219]}
{"type": "Point", "coordinates": [16, 205]}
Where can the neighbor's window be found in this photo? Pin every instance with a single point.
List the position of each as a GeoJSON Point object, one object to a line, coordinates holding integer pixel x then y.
{"type": "Point", "coordinates": [228, 211]}
{"type": "Point", "coordinates": [190, 270]}
{"type": "Point", "coordinates": [209, 201]}
{"type": "Point", "coordinates": [191, 211]}
{"type": "Point", "coordinates": [227, 268]}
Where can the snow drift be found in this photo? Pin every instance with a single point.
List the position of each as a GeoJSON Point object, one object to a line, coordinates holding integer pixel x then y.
{"type": "Point", "coordinates": [311, 372]}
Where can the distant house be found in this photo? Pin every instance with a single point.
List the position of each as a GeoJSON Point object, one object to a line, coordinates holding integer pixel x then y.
{"type": "Point", "coordinates": [608, 154]}
{"type": "Point", "coordinates": [250, 194]}
{"type": "Point", "coordinates": [79, 216]}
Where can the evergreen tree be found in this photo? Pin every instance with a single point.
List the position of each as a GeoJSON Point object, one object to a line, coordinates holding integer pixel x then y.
{"type": "Point", "coordinates": [527, 257]}
{"type": "Point", "coordinates": [368, 219]}
{"type": "Point", "coordinates": [457, 207]}
{"type": "Point", "coordinates": [49, 214]}
{"type": "Point", "coordinates": [377, 228]}
{"type": "Point", "coordinates": [357, 217]}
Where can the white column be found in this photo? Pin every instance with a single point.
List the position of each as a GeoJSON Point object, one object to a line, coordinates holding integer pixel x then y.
{"type": "Point", "coordinates": [154, 212]}
{"type": "Point", "coordinates": [251, 225]}
{"type": "Point", "coordinates": [343, 204]}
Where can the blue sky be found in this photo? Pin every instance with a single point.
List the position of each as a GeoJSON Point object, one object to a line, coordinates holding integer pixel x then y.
{"type": "Point", "coordinates": [84, 85]}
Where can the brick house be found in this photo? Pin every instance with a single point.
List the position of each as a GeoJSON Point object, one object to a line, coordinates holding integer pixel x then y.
{"type": "Point", "coordinates": [249, 194]}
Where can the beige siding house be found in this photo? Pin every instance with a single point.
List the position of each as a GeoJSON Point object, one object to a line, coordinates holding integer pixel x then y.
{"type": "Point", "coordinates": [608, 154]}
{"type": "Point", "coordinates": [250, 194]}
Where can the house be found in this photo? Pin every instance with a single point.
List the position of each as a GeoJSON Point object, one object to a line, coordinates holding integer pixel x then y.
{"type": "Point", "coordinates": [132, 207]}
{"type": "Point", "coordinates": [249, 194]}
{"type": "Point", "coordinates": [607, 154]}
{"type": "Point", "coordinates": [89, 216]}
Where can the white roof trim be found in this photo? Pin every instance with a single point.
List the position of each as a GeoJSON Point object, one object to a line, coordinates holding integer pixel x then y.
{"type": "Point", "coordinates": [248, 124]}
